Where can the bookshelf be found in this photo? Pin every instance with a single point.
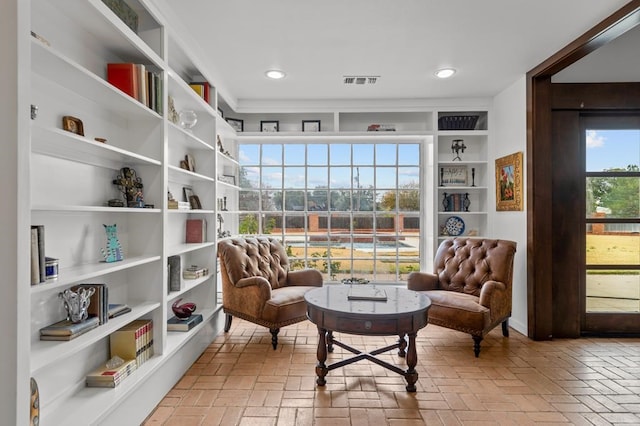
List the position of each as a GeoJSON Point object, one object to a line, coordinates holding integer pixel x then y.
{"type": "Point", "coordinates": [70, 178]}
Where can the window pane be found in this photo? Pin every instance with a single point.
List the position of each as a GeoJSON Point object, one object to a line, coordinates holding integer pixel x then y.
{"type": "Point", "coordinates": [386, 154]}
{"type": "Point", "coordinates": [294, 177]}
{"type": "Point", "coordinates": [613, 244]}
{"type": "Point", "coordinates": [609, 150]}
{"type": "Point", "coordinates": [408, 154]}
{"type": "Point", "coordinates": [409, 200]}
{"type": "Point", "coordinates": [385, 177]}
{"type": "Point", "coordinates": [294, 200]}
{"type": "Point", "coordinates": [341, 200]}
{"type": "Point", "coordinates": [249, 154]}
{"type": "Point", "coordinates": [613, 197]}
{"type": "Point", "coordinates": [317, 200]}
{"type": "Point", "coordinates": [248, 200]}
{"type": "Point", "coordinates": [340, 177]}
{"type": "Point", "coordinates": [250, 177]}
{"type": "Point", "coordinates": [271, 200]}
{"type": "Point", "coordinates": [340, 154]}
{"type": "Point", "coordinates": [613, 291]}
{"type": "Point", "coordinates": [294, 155]}
{"type": "Point", "coordinates": [317, 177]}
{"type": "Point", "coordinates": [363, 200]}
{"type": "Point", "coordinates": [363, 154]}
{"type": "Point", "coordinates": [272, 224]}
{"type": "Point", "coordinates": [317, 154]}
{"type": "Point", "coordinates": [248, 224]}
{"type": "Point", "coordinates": [363, 177]}
{"type": "Point", "coordinates": [271, 177]}
{"type": "Point", "coordinates": [409, 176]}
{"type": "Point", "coordinates": [271, 155]}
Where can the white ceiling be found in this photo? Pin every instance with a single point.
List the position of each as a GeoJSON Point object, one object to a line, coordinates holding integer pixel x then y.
{"type": "Point", "coordinates": [491, 43]}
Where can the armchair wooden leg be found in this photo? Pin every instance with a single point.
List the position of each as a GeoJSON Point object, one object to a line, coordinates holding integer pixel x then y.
{"type": "Point", "coordinates": [227, 322]}
{"type": "Point", "coordinates": [505, 328]}
{"type": "Point", "coordinates": [476, 345]}
{"type": "Point", "coordinates": [274, 337]}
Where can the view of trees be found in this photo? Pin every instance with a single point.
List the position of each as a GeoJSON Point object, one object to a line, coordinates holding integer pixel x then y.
{"type": "Point", "coordinates": [619, 194]}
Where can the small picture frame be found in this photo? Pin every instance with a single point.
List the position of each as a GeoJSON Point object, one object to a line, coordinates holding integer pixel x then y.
{"type": "Point", "coordinates": [453, 176]}
{"type": "Point", "coordinates": [191, 162]}
{"type": "Point", "coordinates": [230, 179]}
{"type": "Point", "coordinates": [509, 183]}
{"type": "Point", "coordinates": [237, 124]}
{"type": "Point", "coordinates": [73, 125]}
{"type": "Point", "coordinates": [310, 125]}
{"type": "Point", "coordinates": [187, 192]}
{"type": "Point", "coordinates": [269, 126]}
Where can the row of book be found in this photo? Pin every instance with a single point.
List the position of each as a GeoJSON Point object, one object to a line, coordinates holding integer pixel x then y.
{"type": "Point", "coordinates": [38, 260]}
{"type": "Point", "coordinates": [456, 202]}
{"type": "Point", "coordinates": [202, 89]}
{"type": "Point", "coordinates": [138, 82]}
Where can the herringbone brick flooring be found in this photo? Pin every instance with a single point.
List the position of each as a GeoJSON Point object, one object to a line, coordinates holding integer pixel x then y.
{"type": "Point", "coordinates": [241, 380]}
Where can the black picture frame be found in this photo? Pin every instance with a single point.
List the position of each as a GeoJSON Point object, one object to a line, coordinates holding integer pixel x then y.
{"type": "Point", "coordinates": [269, 126]}
{"type": "Point", "coordinates": [187, 192]}
{"type": "Point", "coordinates": [237, 124]}
{"type": "Point", "coordinates": [310, 125]}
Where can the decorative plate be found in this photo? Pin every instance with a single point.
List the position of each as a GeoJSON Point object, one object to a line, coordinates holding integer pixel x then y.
{"type": "Point", "coordinates": [454, 226]}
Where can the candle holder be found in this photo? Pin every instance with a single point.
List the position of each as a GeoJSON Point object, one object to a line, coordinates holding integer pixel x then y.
{"type": "Point", "coordinates": [473, 176]}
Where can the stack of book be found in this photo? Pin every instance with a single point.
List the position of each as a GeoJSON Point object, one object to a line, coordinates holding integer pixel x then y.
{"type": "Point", "coordinates": [137, 82]}
{"type": "Point", "coordinates": [177, 324]}
{"type": "Point", "coordinates": [105, 377]}
{"type": "Point", "coordinates": [117, 309]}
{"type": "Point", "coordinates": [133, 341]}
{"type": "Point", "coordinates": [202, 89]}
{"type": "Point", "coordinates": [67, 330]}
{"type": "Point", "coordinates": [194, 271]}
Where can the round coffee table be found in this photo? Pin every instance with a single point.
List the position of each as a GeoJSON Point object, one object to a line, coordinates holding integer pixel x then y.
{"type": "Point", "coordinates": [402, 314]}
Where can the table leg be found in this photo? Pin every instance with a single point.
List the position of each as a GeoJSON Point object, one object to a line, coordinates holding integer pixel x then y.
{"type": "Point", "coordinates": [412, 359]}
{"type": "Point", "coordinates": [402, 346]}
{"type": "Point", "coordinates": [330, 341]}
{"type": "Point", "coordinates": [321, 367]}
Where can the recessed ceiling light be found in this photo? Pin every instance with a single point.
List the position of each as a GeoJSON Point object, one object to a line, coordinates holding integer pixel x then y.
{"type": "Point", "coordinates": [275, 74]}
{"type": "Point", "coordinates": [445, 72]}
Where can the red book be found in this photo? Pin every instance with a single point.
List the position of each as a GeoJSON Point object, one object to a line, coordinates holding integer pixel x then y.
{"type": "Point", "coordinates": [196, 231]}
{"type": "Point", "coordinates": [124, 77]}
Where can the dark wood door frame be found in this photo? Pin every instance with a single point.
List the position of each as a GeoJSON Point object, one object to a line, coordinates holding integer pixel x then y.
{"type": "Point", "coordinates": [540, 235]}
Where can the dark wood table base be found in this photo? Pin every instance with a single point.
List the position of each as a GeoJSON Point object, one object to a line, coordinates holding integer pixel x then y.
{"type": "Point", "coordinates": [326, 342]}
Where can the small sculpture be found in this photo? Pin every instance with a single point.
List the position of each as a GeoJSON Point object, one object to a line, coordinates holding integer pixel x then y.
{"type": "Point", "coordinates": [131, 186]}
{"type": "Point", "coordinates": [113, 252]}
{"type": "Point", "coordinates": [458, 145]}
{"type": "Point", "coordinates": [76, 304]}
{"type": "Point", "coordinates": [183, 311]}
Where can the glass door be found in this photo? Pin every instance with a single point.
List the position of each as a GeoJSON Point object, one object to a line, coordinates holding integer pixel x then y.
{"type": "Point", "coordinates": [611, 288]}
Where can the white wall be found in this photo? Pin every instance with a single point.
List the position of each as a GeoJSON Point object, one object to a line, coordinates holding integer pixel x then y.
{"type": "Point", "coordinates": [508, 135]}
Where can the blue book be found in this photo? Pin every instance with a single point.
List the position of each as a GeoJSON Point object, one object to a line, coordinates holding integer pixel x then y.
{"type": "Point", "coordinates": [68, 328]}
{"type": "Point", "coordinates": [177, 324]}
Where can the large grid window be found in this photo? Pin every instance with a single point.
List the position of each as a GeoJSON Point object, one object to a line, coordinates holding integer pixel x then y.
{"type": "Point", "coordinates": [350, 210]}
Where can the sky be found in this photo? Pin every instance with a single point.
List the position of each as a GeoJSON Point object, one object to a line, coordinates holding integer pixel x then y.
{"type": "Point", "coordinates": [330, 164]}
{"type": "Point", "coordinates": [608, 149]}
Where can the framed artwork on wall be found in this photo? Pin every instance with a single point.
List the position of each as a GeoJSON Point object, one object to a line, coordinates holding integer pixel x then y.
{"type": "Point", "coordinates": [509, 182]}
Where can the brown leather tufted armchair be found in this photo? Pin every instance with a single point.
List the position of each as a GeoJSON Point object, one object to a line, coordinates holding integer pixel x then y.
{"type": "Point", "coordinates": [470, 290]}
{"type": "Point", "coordinates": [258, 286]}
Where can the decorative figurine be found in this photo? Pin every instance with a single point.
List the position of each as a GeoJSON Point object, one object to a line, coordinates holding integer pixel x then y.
{"type": "Point", "coordinates": [466, 202]}
{"type": "Point", "coordinates": [113, 252]}
{"type": "Point", "coordinates": [445, 202]}
{"type": "Point", "coordinates": [172, 115]}
{"type": "Point", "coordinates": [76, 304]}
{"type": "Point", "coordinates": [183, 311]}
{"type": "Point", "coordinates": [456, 146]}
{"type": "Point", "coordinates": [131, 187]}
{"type": "Point", "coordinates": [34, 111]}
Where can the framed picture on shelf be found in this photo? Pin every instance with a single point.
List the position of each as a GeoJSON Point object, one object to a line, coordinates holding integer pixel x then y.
{"type": "Point", "coordinates": [269, 126]}
{"type": "Point", "coordinates": [453, 176]}
{"type": "Point", "coordinates": [509, 182]}
{"type": "Point", "coordinates": [310, 125]}
{"type": "Point", "coordinates": [238, 125]}
{"type": "Point", "coordinates": [187, 192]}
{"type": "Point", "coordinates": [230, 179]}
{"type": "Point", "coordinates": [73, 125]}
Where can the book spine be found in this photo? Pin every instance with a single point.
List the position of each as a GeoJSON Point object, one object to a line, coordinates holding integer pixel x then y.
{"type": "Point", "coordinates": [123, 76]}
{"type": "Point", "coordinates": [41, 256]}
{"type": "Point", "coordinates": [35, 261]}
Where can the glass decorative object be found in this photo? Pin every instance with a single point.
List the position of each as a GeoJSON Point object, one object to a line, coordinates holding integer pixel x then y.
{"type": "Point", "coordinates": [76, 303]}
{"type": "Point", "coordinates": [188, 119]}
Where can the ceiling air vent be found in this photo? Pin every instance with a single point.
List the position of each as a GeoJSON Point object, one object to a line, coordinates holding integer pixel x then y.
{"type": "Point", "coordinates": [360, 79]}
